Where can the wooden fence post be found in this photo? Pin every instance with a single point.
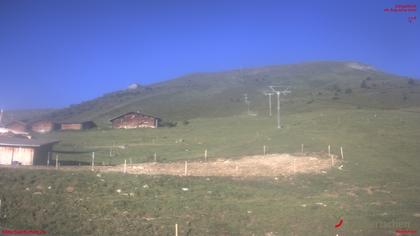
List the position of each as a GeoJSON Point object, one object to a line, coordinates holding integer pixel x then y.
{"type": "Point", "coordinates": [155, 157]}
{"type": "Point", "coordinates": [125, 166]}
{"type": "Point", "coordinates": [329, 150]}
{"type": "Point", "coordinates": [93, 161]}
{"type": "Point", "coordinates": [176, 229]}
{"type": "Point", "coordinates": [264, 150]}
{"type": "Point", "coordinates": [186, 168]}
{"type": "Point", "coordinates": [342, 154]}
{"type": "Point", "coordinates": [205, 155]}
{"type": "Point", "coordinates": [49, 157]}
{"type": "Point", "coordinates": [301, 148]}
{"type": "Point", "coordinates": [56, 161]}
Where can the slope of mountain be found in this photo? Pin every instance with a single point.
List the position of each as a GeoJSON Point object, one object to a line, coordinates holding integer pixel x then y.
{"type": "Point", "coordinates": [25, 115]}
{"type": "Point", "coordinates": [313, 85]}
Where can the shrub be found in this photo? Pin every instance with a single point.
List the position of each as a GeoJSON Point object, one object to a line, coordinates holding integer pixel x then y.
{"type": "Point", "coordinates": [337, 88]}
{"type": "Point", "coordinates": [169, 124]}
{"type": "Point", "coordinates": [364, 84]}
{"type": "Point", "coordinates": [411, 82]}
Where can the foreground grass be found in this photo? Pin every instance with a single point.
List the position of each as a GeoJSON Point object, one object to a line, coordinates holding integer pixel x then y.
{"type": "Point", "coordinates": [376, 192]}
{"type": "Point", "coordinates": [82, 203]}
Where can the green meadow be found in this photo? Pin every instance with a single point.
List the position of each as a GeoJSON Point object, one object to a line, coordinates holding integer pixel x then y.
{"type": "Point", "coordinates": [373, 115]}
{"type": "Point", "coordinates": [376, 192]}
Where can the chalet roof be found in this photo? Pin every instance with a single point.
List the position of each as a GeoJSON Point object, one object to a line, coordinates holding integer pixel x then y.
{"type": "Point", "coordinates": [46, 120]}
{"type": "Point", "coordinates": [132, 112]}
{"type": "Point", "coordinates": [22, 142]}
{"type": "Point", "coordinates": [16, 121]}
{"type": "Point", "coordinates": [77, 122]}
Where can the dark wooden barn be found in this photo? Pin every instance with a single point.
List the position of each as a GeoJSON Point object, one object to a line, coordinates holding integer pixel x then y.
{"type": "Point", "coordinates": [24, 151]}
{"type": "Point", "coordinates": [17, 126]}
{"type": "Point", "coordinates": [132, 120]}
{"type": "Point", "coordinates": [77, 125]}
{"type": "Point", "coordinates": [44, 126]}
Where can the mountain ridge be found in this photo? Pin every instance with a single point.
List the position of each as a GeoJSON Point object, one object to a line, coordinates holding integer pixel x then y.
{"type": "Point", "coordinates": [212, 94]}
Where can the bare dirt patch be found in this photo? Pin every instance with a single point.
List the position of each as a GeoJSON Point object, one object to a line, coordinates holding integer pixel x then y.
{"type": "Point", "coordinates": [248, 166]}
{"type": "Point", "coordinates": [268, 165]}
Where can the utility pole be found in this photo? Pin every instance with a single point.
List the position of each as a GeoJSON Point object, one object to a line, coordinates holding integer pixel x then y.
{"type": "Point", "coordinates": [278, 110]}
{"type": "Point", "coordinates": [269, 102]}
{"type": "Point", "coordinates": [247, 102]}
{"type": "Point", "coordinates": [279, 92]}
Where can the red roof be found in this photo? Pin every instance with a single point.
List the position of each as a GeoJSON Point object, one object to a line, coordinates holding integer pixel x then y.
{"type": "Point", "coordinates": [137, 113]}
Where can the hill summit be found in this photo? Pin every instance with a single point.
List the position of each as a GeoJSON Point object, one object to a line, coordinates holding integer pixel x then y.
{"type": "Point", "coordinates": [217, 94]}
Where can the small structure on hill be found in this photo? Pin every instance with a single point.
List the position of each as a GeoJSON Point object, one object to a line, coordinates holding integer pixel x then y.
{"type": "Point", "coordinates": [132, 120]}
{"type": "Point", "coordinates": [17, 126]}
{"type": "Point", "coordinates": [23, 151]}
{"type": "Point", "coordinates": [77, 125]}
{"type": "Point", "coordinates": [44, 126]}
{"type": "Point", "coordinates": [133, 86]}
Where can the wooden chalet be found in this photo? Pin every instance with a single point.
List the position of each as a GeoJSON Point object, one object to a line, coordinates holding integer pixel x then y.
{"type": "Point", "coordinates": [44, 126]}
{"type": "Point", "coordinates": [77, 125]}
{"type": "Point", "coordinates": [21, 151]}
{"type": "Point", "coordinates": [17, 126]}
{"type": "Point", "coordinates": [132, 120]}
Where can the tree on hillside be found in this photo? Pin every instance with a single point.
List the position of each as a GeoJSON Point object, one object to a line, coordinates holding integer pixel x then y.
{"type": "Point", "coordinates": [411, 82]}
{"type": "Point", "coordinates": [364, 84]}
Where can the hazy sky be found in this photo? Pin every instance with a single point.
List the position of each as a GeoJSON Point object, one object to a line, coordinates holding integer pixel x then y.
{"type": "Point", "coordinates": [56, 53]}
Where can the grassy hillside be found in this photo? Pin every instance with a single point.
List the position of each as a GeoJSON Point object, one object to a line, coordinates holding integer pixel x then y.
{"type": "Point", "coordinates": [377, 189]}
{"type": "Point", "coordinates": [221, 94]}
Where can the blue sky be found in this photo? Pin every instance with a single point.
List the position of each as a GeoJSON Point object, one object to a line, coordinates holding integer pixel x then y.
{"type": "Point", "coordinates": [54, 53]}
